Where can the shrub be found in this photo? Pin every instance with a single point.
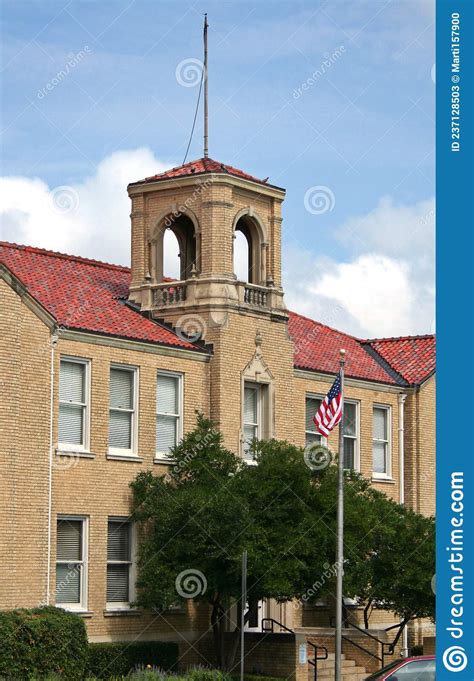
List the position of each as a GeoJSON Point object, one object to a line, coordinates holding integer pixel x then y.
{"type": "Point", "coordinates": [118, 659]}
{"type": "Point", "coordinates": [146, 675]}
{"type": "Point", "coordinates": [257, 677]}
{"type": "Point", "coordinates": [416, 650]}
{"type": "Point", "coordinates": [206, 674]}
{"type": "Point", "coordinates": [42, 642]}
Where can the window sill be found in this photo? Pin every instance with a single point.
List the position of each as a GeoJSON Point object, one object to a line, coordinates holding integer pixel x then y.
{"type": "Point", "coordinates": [75, 611]}
{"type": "Point", "coordinates": [75, 453]}
{"type": "Point", "coordinates": [171, 610]}
{"type": "Point", "coordinates": [164, 459]}
{"type": "Point", "coordinates": [124, 457]}
{"type": "Point", "coordinates": [388, 481]}
{"type": "Point", "coordinates": [121, 612]}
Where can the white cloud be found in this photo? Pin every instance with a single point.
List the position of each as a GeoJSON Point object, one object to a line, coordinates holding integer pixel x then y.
{"type": "Point", "coordinates": [386, 286]}
{"type": "Point", "coordinates": [397, 230]}
{"type": "Point", "coordinates": [89, 219]}
{"type": "Point", "coordinates": [374, 288]}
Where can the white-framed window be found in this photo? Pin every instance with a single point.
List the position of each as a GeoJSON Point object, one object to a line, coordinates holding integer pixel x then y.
{"type": "Point", "coordinates": [123, 409]}
{"type": "Point", "coordinates": [351, 435]}
{"type": "Point", "coordinates": [253, 414]}
{"type": "Point", "coordinates": [120, 550]}
{"type": "Point", "coordinates": [73, 420]}
{"type": "Point", "coordinates": [71, 562]}
{"type": "Point", "coordinates": [169, 411]}
{"type": "Point", "coordinates": [381, 464]}
{"type": "Point", "coordinates": [312, 436]}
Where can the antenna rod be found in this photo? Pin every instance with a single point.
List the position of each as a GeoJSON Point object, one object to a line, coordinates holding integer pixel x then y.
{"type": "Point", "coordinates": [206, 132]}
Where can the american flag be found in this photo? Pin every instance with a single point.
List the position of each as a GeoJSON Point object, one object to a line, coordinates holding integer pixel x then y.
{"type": "Point", "coordinates": [330, 412]}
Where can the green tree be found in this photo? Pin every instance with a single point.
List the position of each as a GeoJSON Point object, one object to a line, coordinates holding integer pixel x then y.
{"type": "Point", "coordinates": [195, 523]}
{"type": "Point", "coordinates": [198, 519]}
{"type": "Point", "coordinates": [396, 574]}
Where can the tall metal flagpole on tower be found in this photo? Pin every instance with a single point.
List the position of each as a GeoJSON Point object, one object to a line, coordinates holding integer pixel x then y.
{"type": "Point", "coordinates": [340, 531]}
{"type": "Point", "coordinates": [206, 131]}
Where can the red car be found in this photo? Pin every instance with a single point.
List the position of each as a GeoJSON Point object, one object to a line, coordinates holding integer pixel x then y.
{"type": "Point", "coordinates": [420, 668]}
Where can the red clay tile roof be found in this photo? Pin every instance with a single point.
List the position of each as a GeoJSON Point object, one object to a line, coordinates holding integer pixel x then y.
{"type": "Point", "coordinates": [200, 167]}
{"type": "Point", "coordinates": [413, 357]}
{"type": "Point", "coordinates": [90, 295]}
{"type": "Point", "coordinates": [84, 294]}
{"type": "Point", "coordinates": [317, 349]}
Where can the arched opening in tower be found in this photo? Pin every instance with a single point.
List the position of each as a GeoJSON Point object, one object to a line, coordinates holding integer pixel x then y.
{"type": "Point", "coordinates": [179, 248]}
{"type": "Point", "coordinates": [244, 251]}
{"type": "Point", "coordinates": [171, 259]}
{"type": "Point", "coordinates": [241, 256]}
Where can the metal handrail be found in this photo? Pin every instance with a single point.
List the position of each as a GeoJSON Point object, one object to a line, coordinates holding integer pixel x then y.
{"type": "Point", "coordinates": [272, 625]}
{"type": "Point", "coordinates": [314, 661]}
{"type": "Point", "coordinates": [383, 644]}
{"type": "Point", "coordinates": [365, 650]}
{"type": "Point", "coordinates": [316, 648]}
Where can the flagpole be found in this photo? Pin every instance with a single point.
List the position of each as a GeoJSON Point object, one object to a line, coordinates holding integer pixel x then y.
{"type": "Point", "coordinates": [206, 93]}
{"type": "Point", "coordinates": [340, 530]}
{"type": "Point", "coordinates": [242, 614]}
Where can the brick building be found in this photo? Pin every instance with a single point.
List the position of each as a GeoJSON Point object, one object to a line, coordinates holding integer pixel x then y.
{"type": "Point", "coordinates": [103, 368]}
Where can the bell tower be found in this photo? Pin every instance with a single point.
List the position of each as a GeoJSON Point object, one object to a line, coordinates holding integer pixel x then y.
{"type": "Point", "coordinates": [243, 319]}
{"type": "Point", "coordinates": [205, 203]}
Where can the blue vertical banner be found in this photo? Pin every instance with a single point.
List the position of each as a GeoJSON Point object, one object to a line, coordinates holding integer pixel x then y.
{"type": "Point", "coordinates": [455, 332]}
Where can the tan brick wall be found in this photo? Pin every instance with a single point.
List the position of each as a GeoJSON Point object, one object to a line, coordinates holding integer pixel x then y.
{"type": "Point", "coordinates": [366, 397]}
{"type": "Point", "coordinates": [420, 446]}
{"type": "Point", "coordinates": [99, 487]}
{"type": "Point", "coordinates": [234, 346]}
{"type": "Point", "coordinates": [24, 446]}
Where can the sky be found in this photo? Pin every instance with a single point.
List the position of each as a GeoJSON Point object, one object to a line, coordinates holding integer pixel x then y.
{"type": "Point", "coordinates": [333, 100]}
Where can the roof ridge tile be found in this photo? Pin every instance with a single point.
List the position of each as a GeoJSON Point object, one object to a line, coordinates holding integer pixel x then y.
{"type": "Point", "coordinates": [64, 256]}
{"type": "Point", "coordinates": [390, 339]}
{"type": "Point", "coordinates": [201, 166]}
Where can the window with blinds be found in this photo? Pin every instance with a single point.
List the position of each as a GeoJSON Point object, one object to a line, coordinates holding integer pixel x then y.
{"type": "Point", "coordinates": [72, 422]}
{"type": "Point", "coordinates": [252, 416]}
{"type": "Point", "coordinates": [122, 409]}
{"type": "Point", "coordinates": [350, 435]}
{"type": "Point", "coordinates": [168, 412]}
{"type": "Point", "coordinates": [70, 562]}
{"type": "Point", "coordinates": [119, 562]}
{"type": "Point", "coordinates": [381, 442]}
{"type": "Point", "coordinates": [311, 433]}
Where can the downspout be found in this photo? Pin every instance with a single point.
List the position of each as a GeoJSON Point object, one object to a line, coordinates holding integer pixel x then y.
{"type": "Point", "coordinates": [401, 445]}
{"type": "Point", "coordinates": [401, 466]}
{"type": "Point", "coordinates": [54, 341]}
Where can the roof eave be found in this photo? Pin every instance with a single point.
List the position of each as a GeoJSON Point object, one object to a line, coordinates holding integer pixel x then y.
{"type": "Point", "coordinates": [71, 330]}
{"type": "Point", "coordinates": [185, 180]}
{"type": "Point", "coordinates": [360, 379]}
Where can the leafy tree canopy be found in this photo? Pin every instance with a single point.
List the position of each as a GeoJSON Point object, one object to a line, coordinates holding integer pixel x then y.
{"type": "Point", "coordinates": [199, 518]}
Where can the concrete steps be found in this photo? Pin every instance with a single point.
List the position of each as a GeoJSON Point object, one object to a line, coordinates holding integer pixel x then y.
{"type": "Point", "coordinates": [349, 670]}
